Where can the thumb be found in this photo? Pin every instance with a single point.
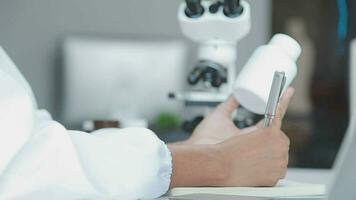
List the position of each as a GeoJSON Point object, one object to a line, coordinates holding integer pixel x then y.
{"type": "Point", "coordinates": [282, 107]}
{"type": "Point", "coordinates": [229, 106]}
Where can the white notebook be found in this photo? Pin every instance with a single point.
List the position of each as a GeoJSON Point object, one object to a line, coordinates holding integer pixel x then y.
{"type": "Point", "coordinates": [284, 188]}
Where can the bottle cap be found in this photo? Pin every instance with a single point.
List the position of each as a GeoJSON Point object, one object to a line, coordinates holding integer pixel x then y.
{"type": "Point", "coordinates": [287, 44]}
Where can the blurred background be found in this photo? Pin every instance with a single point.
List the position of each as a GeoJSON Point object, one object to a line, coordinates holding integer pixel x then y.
{"type": "Point", "coordinates": [116, 59]}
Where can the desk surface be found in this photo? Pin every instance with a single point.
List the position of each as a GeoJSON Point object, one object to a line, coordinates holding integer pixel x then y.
{"type": "Point", "coordinates": [319, 176]}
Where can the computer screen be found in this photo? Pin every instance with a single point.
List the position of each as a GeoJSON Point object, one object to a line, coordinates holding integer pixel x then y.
{"type": "Point", "coordinates": [121, 78]}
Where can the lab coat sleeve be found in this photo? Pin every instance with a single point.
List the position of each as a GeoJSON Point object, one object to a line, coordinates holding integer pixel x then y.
{"type": "Point", "coordinates": [41, 159]}
{"type": "Point", "coordinates": [8, 66]}
{"type": "Point", "coordinates": [56, 163]}
{"type": "Point", "coordinates": [16, 118]}
{"type": "Point", "coordinates": [125, 163]}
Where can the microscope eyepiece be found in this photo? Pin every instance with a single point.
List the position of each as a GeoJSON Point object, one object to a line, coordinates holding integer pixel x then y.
{"type": "Point", "coordinates": [194, 8]}
{"type": "Point", "coordinates": [232, 8]}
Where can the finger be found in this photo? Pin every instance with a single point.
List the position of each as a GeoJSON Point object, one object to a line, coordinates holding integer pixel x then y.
{"type": "Point", "coordinates": [229, 106]}
{"type": "Point", "coordinates": [260, 124]}
{"type": "Point", "coordinates": [282, 107]}
{"type": "Point", "coordinates": [287, 161]}
{"type": "Point", "coordinates": [248, 130]}
{"type": "Point", "coordinates": [284, 102]}
{"type": "Point", "coordinates": [284, 174]}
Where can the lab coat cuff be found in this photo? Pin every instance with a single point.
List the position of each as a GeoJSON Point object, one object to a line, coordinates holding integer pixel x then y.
{"type": "Point", "coordinates": [167, 168]}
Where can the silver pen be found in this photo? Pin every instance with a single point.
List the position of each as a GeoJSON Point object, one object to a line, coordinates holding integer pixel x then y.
{"type": "Point", "coordinates": [279, 80]}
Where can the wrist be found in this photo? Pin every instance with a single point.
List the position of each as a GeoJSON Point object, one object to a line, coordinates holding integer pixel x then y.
{"type": "Point", "coordinates": [196, 165]}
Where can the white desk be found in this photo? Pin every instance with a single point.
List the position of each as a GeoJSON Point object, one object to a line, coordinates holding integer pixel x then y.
{"type": "Point", "coordinates": [318, 176]}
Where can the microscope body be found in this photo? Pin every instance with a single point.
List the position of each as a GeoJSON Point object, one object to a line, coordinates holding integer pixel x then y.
{"type": "Point", "coordinates": [217, 28]}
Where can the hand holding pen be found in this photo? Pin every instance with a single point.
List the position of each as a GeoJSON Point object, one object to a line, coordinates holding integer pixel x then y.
{"type": "Point", "coordinates": [278, 83]}
{"type": "Point", "coordinates": [277, 103]}
{"type": "Point", "coordinates": [280, 112]}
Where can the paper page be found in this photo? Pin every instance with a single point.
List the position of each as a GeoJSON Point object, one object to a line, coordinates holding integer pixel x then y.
{"type": "Point", "coordinates": [284, 188]}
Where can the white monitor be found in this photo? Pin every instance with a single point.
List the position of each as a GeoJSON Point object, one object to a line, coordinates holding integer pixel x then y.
{"type": "Point", "coordinates": [127, 78]}
{"type": "Point", "coordinates": [344, 182]}
{"type": "Point", "coordinates": [353, 77]}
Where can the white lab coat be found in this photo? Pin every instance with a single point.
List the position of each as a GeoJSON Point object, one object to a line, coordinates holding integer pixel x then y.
{"type": "Point", "coordinates": [40, 159]}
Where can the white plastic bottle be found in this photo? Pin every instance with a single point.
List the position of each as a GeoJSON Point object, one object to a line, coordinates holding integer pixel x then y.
{"type": "Point", "coordinates": [253, 83]}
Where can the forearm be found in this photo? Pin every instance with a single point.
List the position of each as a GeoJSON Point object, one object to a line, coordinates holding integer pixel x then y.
{"type": "Point", "coordinates": [195, 165]}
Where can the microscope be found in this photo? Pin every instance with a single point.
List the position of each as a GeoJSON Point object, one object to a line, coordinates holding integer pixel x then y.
{"type": "Point", "coordinates": [217, 26]}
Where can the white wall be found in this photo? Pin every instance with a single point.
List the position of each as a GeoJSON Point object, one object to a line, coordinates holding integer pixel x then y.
{"type": "Point", "coordinates": [32, 30]}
